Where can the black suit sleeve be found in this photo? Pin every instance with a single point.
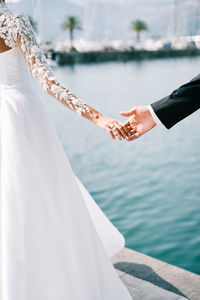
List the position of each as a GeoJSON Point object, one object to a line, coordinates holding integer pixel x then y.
{"type": "Point", "coordinates": [180, 104]}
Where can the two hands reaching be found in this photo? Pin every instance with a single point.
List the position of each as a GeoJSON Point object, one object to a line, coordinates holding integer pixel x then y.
{"type": "Point", "coordinates": [140, 121]}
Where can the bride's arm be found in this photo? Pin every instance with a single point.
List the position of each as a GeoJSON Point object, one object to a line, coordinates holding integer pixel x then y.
{"type": "Point", "coordinates": [28, 45]}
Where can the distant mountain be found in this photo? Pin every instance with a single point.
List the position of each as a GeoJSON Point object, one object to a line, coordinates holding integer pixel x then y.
{"type": "Point", "coordinates": [108, 20]}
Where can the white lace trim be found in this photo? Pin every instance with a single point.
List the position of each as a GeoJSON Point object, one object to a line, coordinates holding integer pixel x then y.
{"type": "Point", "coordinates": [16, 29]}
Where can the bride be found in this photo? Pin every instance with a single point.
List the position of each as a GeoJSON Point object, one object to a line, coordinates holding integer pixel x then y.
{"type": "Point", "coordinates": [56, 243]}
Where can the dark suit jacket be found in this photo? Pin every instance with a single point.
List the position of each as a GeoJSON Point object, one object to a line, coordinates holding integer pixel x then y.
{"type": "Point", "coordinates": [180, 104]}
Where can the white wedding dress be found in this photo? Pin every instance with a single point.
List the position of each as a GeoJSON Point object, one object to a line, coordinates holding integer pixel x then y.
{"type": "Point", "coordinates": [56, 243]}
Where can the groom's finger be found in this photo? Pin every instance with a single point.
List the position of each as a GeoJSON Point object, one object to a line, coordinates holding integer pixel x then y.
{"type": "Point", "coordinates": [128, 113]}
{"type": "Point", "coordinates": [127, 124]}
{"type": "Point", "coordinates": [131, 121]}
{"type": "Point", "coordinates": [127, 128]}
{"type": "Point", "coordinates": [133, 131]}
{"type": "Point", "coordinates": [134, 137]}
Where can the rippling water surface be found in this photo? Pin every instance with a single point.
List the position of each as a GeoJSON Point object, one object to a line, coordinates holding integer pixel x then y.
{"type": "Point", "coordinates": [150, 189]}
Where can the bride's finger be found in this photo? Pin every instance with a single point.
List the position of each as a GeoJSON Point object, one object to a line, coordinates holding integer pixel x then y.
{"type": "Point", "coordinates": [117, 133]}
{"type": "Point", "coordinates": [129, 130]}
{"type": "Point", "coordinates": [109, 130]}
{"type": "Point", "coordinates": [121, 129]}
{"type": "Point", "coordinates": [114, 128]}
{"type": "Point", "coordinates": [125, 129]}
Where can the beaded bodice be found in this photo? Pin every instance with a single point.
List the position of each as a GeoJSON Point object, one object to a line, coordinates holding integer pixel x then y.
{"type": "Point", "coordinates": [18, 34]}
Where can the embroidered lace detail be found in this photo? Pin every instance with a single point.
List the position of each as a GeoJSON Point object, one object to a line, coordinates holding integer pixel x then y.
{"type": "Point", "coordinates": [8, 26]}
{"type": "Point", "coordinates": [16, 30]}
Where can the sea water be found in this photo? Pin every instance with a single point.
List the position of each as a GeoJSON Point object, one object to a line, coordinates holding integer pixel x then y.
{"type": "Point", "coordinates": [149, 188]}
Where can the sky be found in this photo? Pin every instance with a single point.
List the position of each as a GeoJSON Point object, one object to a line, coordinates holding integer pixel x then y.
{"type": "Point", "coordinates": [110, 19]}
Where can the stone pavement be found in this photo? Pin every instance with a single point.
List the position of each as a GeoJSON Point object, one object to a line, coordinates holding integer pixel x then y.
{"type": "Point", "coordinates": [150, 279]}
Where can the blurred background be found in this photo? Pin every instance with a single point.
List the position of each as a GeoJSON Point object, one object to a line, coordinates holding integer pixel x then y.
{"type": "Point", "coordinates": [150, 188]}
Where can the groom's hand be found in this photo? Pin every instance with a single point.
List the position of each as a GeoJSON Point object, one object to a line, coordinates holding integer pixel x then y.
{"type": "Point", "coordinates": [140, 121]}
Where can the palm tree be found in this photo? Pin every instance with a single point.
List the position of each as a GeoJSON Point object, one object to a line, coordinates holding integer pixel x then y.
{"type": "Point", "coordinates": [138, 26]}
{"type": "Point", "coordinates": [71, 23]}
{"type": "Point", "coordinates": [33, 23]}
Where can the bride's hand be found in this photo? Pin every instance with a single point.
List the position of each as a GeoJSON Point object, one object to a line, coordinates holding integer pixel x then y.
{"type": "Point", "coordinates": [113, 127]}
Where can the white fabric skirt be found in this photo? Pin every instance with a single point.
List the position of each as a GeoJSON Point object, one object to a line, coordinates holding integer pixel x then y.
{"type": "Point", "coordinates": [56, 243]}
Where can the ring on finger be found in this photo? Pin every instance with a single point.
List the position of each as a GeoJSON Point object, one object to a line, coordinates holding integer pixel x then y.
{"type": "Point", "coordinates": [112, 126]}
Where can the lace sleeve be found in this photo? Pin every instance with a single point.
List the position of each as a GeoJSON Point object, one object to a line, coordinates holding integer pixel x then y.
{"type": "Point", "coordinates": [27, 43]}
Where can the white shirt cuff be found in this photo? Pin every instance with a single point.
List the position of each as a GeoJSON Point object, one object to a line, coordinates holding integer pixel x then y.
{"type": "Point", "coordinates": [154, 116]}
